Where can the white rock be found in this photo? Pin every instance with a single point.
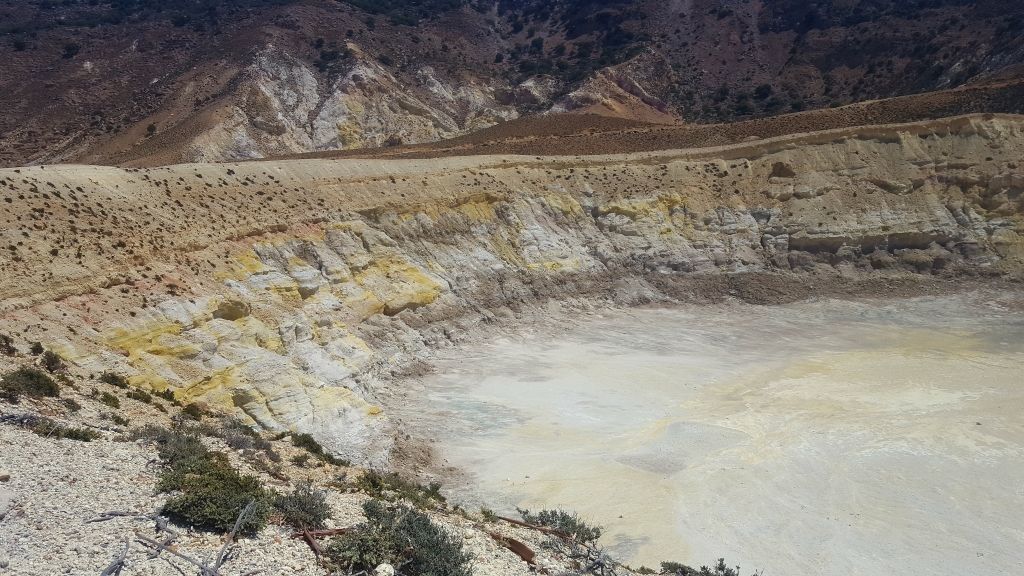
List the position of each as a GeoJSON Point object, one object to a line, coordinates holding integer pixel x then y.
{"type": "Point", "coordinates": [7, 499]}
{"type": "Point", "coordinates": [4, 561]}
{"type": "Point", "coordinates": [384, 570]}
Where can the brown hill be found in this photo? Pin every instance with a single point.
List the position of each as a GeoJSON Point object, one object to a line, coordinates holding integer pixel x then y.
{"type": "Point", "coordinates": [241, 79]}
{"type": "Point", "coordinates": [569, 134]}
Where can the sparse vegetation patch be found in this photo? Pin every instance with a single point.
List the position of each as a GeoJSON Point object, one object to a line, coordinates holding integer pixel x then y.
{"type": "Point", "coordinates": [52, 361]}
{"type": "Point", "coordinates": [192, 412]}
{"type": "Point", "coordinates": [392, 487]}
{"type": "Point", "coordinates": [208, 492]}
{"type": "Point", "coordinates": [567, 523]}
{"type": "Point", "coordinates": [309, 444]}
{"type": "Point", "coordinates": [114, 380]}
{"type": "Point", "coordinates": [30, 382]}
{"type": "Point", "coordinates": [400, 536]}
{"type": "Point", "coordinates": [718, 569]}
{"type": "Point", "coordinates": [49, 428]}
{"type": "Point", "coordinates": [140, 395]}
{"type": "Point", "coordinates": [305, 507]}
{"type": "Point", "coordinates": [110, 400]}
{"type": "Point", "coordinates": [7, 345]}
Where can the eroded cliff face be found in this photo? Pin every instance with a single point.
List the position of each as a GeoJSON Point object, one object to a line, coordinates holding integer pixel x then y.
{"type": "Point", "coordinates": [283, 108]}
{"type": "Point", "coordinates": [286, 291]}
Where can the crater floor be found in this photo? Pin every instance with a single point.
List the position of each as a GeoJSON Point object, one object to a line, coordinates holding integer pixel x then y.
{"type": "Point", "coordinates": [823, 437]}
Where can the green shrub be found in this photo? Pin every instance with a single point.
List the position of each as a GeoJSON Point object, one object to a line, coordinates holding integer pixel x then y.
{"type": "Point", "coordinates": [241, 437]}
{"type": "Point", "coordinates": [30, 382]}
{"type": "Point", "coordinates": [140, 395]}
{"type": "Point", "coordinates": [52, 361]}
{"type": "Point", "coordinates": [300, 459]}
{"type": "Point", "coordinates": [214, 498]}
{"type": "Point", "coordinates": [110, 400]}
{"type": "Point", "coordinates": [114, 380]}
{"type": "Point", "coordinates": [166, 394]}
{"type": "Point", "coordinates": [192, 412]}
{"type": "Point", "coordinates": [390, 486]}
{"type": "Point", "coordinates": [153, 433]}
{"type": "Point", "coordinates": [308, 443]}
{"type": "Point", "coordinates": [489, 515]}
{"type": "Point", "coordinates": [567, 523]}
{"type": "Point", "coordinates": [51, 429]}
{"type": "Point", "coordinates": [270, 467]}
{"type": "Point", "coordinates": [212, 494]}
{"type": "Point", "coordinates": [7, 345]}
{"type": "Point", "coordinates": [119, 420]}
{"type": "Point", "coordinates": [80, 434]}
{"type": "Point", "coordinates": [71, 405]}
{"type": "Point", "coordinates": [719, 569]}
{"type": "Point", "coordinates": [677, 568]}
{"type": "Point", "coordinates": [401, 536]}
{"type": "Point", "coordinates": [305, 507]}
{"type": "Point", "coordinates": [65, 380]}
{"type": "Point", "coordinates": [36, 349]}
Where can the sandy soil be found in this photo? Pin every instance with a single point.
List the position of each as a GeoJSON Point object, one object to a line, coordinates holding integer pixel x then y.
{"type": "Point", "coordinates": [827, 437]}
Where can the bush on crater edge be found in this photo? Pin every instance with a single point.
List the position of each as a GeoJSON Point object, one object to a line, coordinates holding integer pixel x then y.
{"type": "Point", "coordinates": [30, 382]}
{"type": "Point", "coordinates": [207, 492]}
{"type": "Point", "coordinates": [400, 536]}
{"type": "Point", "coordinates": [305, 507]}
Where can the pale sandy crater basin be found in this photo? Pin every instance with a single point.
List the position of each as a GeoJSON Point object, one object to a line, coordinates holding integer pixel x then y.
{"type": "Point", "coordinates": [828, 437]}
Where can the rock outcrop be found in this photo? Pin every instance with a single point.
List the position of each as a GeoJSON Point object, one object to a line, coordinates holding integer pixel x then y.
{"type": "Point", "coordinates": [284, 291]}
{"type": "Point", "coordinates": [283, 108]}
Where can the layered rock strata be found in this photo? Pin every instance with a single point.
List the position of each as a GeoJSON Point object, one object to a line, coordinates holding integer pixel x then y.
{"type": "Point", "coordinates": [285, 291]}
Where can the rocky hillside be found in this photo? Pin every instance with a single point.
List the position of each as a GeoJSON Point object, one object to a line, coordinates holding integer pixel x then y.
{"type": "Point", "coordinates": [286, 293]}
{"type": "Point", "coordinates": [137, 81]}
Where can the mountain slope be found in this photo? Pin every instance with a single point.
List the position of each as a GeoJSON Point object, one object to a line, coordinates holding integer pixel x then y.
{"type": "Point", "coordinates": [114, 82]}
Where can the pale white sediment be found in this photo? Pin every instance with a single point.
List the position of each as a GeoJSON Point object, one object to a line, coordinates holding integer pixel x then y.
{"type": "Point", "coordinates": [816, 438]}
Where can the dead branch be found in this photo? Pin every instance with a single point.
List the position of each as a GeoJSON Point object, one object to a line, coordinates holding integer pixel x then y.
{"type": "Point", "coordinates": [597, 562]}
{"type": "Point", "coordinates": [517, 547]}
{"type": "Point", "coordinates": [167, 543]}
{"type": "Point", "coordinates": [104, 516]}
{"type": "Point", "coordinates": [203, 569]}
{"type": "Point", "coordinates": [162, 526]}
{"type": "Point", "coordinates": [222, 557]}
{"type": "Point", "coordinates": [246, 512]}
{"type": "Point", "coordinates": [115, 567]}
{"type": "Point", "coordinates": [311, 540]}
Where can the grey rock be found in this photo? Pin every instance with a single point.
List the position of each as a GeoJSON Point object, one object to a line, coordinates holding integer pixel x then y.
{"type": "Point", "coordinates": [7, 500]}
